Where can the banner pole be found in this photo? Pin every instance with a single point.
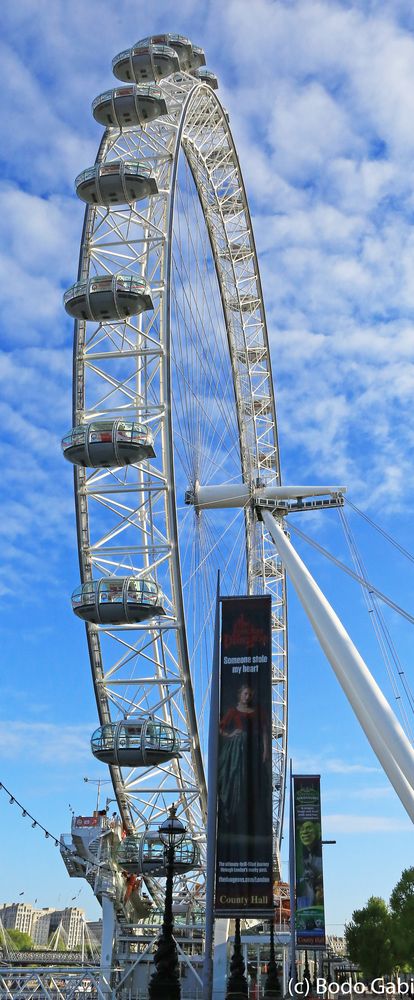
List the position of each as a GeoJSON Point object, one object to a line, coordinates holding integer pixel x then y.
{"type": "Point", "coordinates": [292, 881]}
{"type": "Point", "coordinates": [213, 739]}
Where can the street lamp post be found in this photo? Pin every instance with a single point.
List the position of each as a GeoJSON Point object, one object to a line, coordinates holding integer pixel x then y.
{"type": "Point", "coordinates": [237, 988]}
{"type": "Point", "coordinates": [306, 973]}
{"type": "Point", "coordinates": [165, 981]}
{"type": "Point", "coordinates": [272, 984]}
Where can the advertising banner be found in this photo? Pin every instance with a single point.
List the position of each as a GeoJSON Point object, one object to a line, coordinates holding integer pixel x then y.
{"type": "Point", "coordinates": [310, 912]}
{"type": "Point", "coordinates": [244, 769]}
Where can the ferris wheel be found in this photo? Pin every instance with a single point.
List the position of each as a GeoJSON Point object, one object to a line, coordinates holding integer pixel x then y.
{"type": "Point", "coordinates": [172, 400]}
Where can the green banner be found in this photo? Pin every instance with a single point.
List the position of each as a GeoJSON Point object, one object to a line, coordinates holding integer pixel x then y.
{"type": "Point", "coordinates": [310, 910]}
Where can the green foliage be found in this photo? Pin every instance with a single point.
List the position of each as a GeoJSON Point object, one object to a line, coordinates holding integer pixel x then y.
{"type": "Point", "coordinates": [402, 910]}
{"type": "Point", "coordinates": [22, 941]}
{"type": "Point", "coordinates": [88, 949]}
{"type": "Point", "coordinates": [370, 939]}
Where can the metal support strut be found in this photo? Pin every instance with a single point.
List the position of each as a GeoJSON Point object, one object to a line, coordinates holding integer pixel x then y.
{"type": "Point", "coordinates": [375, 715]}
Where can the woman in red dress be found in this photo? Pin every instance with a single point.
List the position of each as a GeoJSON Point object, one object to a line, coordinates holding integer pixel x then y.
{"type": "Point", "coordinates": [244, 766]}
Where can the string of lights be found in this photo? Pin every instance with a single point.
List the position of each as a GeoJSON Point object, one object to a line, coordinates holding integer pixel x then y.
{"type": "Point", "coordinates": [26, 814]}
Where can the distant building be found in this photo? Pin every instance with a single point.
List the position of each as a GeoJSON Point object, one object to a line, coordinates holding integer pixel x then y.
{"type": "Point", "coordinates": [72, 920]}
{"type": "Point", "coordinates": [40, 924]}
{"type": "Point", "coordinates": [94, 929]}
{"type": "Point", "coordinates": [337, 944]}
{"type": "Point", "coordinates": [17, 916]}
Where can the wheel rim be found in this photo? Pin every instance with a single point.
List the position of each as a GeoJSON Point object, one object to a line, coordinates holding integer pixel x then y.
{"type": "Point", "coordinates": [134, 519]}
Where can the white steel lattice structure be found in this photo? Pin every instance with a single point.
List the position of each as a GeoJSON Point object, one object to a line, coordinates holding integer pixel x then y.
{"type": "Point", "coordinates": [168, 209]}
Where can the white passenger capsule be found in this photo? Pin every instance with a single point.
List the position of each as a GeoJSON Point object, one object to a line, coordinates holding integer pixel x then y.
{"type": "Point", "coordinates": [190, 56]}
{"type": "Point", "coordinates": [108, 444]}
{"type": "Point", "coordinates": [198, 60]}
{"type": "Point", "coordinates": [145, 61]}
{"type": "Point", "coordinates": [146, 855]}
{"type": "Point", "coordinates": [135, 742]}
{"type": "Point", "coordinates": [118, 182]}
{"type": "Point", "coordinates": [206, 76]}
{"type": "Point", "coordinates": [118, 600]}
{"type": "Point", "coordinates": [107, 297]}
{"type": "Point", "coordinates": [125, 107]}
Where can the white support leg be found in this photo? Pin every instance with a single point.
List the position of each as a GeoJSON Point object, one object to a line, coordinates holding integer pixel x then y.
{"type": "Point", "coordinates": [221, 936]}
{"type": "Point", "coordinates": [375, 715]}
{"type": "Point", "coordinates": [108, 933]}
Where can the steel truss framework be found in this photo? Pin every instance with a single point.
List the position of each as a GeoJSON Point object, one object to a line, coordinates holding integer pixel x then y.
{"type": "Point", "coordinates": [54, 982]}
{"type": "Point", "coordinates": [196, 369]}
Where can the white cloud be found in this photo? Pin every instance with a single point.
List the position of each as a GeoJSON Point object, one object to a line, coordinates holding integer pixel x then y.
{"type": "Point", "coordinates": [308, 114]}
{"type": "Point", "coordinates": [368, 792]}
{"type": "Point", "coordinates": [332, 765]}
{"type": "Point", "coordinates": [45, 742]}
{"type": "Point", "coordinates": [357, 824]}
{"type": "Point", "coordinates": [41, 234]}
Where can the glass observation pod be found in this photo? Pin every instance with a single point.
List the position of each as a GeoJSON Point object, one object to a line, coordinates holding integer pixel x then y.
{"type": "Point", "coordinates": [145, 62]}
{"type": "Point", "coordinates": [206, 76]}
{"type": "Point", "coordinates": [146, 855]}
{"type": "Point", "coordinates": [117, 600]}
{"type": "Point", "coordinates": [107, 297]}
{"type": "Point", "coordinates": [135, 742]}
{"type": "Point", "coordinates": [119, 182]}
{"type": "Point", "coordinates": [191, 56]}
{"type": "Point", "coordinates": [198, 61]}
{"type": "Point", "coordinates": [107, 444]}
{"type": "Point", "coordinates": [188, 915]}
{"type": "Point", "coordinates": [129, 106]}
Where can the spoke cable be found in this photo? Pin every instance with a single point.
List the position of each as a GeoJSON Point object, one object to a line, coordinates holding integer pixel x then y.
{"type": "Point", "coordinates": [382, 531]}
{"type": "Point", "coordinates": [388, 651]}
{"type": "Point", "coordinates": [355, 576]}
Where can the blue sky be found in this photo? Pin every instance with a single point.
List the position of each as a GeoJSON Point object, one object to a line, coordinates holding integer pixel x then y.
{"type": "Point", "coordinates": [321, 103]}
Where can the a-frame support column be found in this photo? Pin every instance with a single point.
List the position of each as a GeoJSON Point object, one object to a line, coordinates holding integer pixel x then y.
{"type": "Point", "coordinates": [375, 715]}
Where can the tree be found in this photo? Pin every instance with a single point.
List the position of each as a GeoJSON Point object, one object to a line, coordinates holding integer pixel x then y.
{"type": "Point", "coordinates": [22, 941]}
{"type": "Point", "coordinates": [370, 939]}
{"type": "Point", "coordinates": [402, 910]}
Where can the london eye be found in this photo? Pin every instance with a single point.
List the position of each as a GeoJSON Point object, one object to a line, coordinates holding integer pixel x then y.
{"type": "Point", "coordinates": [172, 401]}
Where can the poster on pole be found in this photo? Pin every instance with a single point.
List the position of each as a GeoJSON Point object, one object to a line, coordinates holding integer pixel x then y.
{"type": "Point", "coordinates": [310, 910]}
{"type": "Point", "coordinates": [244, 883]}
